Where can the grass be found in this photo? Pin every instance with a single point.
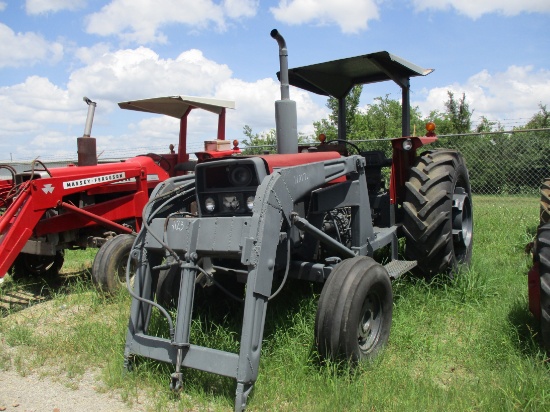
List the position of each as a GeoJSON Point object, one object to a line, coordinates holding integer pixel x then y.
{"type": "Point", "coordinates": [466, 344]}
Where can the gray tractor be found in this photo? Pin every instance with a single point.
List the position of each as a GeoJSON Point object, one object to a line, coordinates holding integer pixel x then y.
{"type": "Point", "coordinates": [317, 215]}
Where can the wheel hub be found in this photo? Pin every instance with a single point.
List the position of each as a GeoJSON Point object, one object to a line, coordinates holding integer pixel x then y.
{"type": "Point", "coordinates": [461, 221]}
{"type": "Point", "coordinates": [370, 322]}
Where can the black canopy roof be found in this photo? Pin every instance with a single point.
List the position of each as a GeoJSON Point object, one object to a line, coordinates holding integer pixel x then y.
{"type": "Point", "coordinates": [336, 78]}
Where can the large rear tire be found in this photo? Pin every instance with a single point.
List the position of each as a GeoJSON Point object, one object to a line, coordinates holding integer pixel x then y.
{"type": "Point", "coordinates": [437, 213]}
{"type": "Point", "coordinates": [543, 253]}
{"type": "Point", "coordinates": [354, 313]}
{"type": "Point", "coordinates": [545, 201]}
{"type": "Point", "coordinates": [109, 267]}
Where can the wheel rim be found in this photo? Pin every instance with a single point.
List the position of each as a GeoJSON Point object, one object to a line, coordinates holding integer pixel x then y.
{"type": "Point", "coordinates": [370, 323]}
{"type": "Point", "coordinates": [121, 270]}
{"type": "Point", "coordinates": [462, 223]}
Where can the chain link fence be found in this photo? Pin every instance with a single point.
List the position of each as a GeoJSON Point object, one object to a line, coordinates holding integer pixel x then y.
{"type": "Point", "coordinates": [512, 163]}
{"type": "Point", "coordinates": [499, 163]}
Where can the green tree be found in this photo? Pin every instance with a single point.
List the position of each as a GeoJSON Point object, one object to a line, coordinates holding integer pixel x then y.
{"type": "Point", "coordinates": [382, 119]}
{"type": "Point", "coordinates": [540, 120]}
{"type": "Point", "coordinates": [457, 118]}
{"type": "Point", "coordinates": [486, 125]}
{"type": "Point", "coordinates": [352, 104]}
{"type": "Point", "coordinates": [258, 143]}
{"type": "Point", "coordinates": [329, 127]}
{"type": "Point", "coordinates": [324, 126]}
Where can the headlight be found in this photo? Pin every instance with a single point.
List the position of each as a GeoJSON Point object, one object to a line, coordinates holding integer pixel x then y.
{"type": "Point", "coordinates": [240, 176]}
{"type": "Point", "coordinates": [209, 204]}
{"type": "Point", "coordinates": [250, 202]}
{"type": "Point", "coordinates": [407, 144]}
{"type": "Point", "coordinates": [231, 202]}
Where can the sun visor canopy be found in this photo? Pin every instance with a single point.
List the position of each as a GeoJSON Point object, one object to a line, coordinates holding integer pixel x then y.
{"type": "Point", "coordinates": [336, 78]}
{"type": "Point", "coordinates": [177, 106]}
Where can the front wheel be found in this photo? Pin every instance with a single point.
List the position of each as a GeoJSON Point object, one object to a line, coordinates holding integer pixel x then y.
{"type": "Point", "coordinates": [354, 313]}
{"type": "Point", "coordinates": [37, 265]}
{"type": "Point", "coordinates": [168, 285]}
{"type": "Point", "coordinates": [438, 214]}
{"type": "Point", "coordinates": [109, 267]}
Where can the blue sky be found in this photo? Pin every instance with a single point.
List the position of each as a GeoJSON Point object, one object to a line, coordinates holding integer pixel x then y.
{"type": "Point", "coordinates": [54, 52]}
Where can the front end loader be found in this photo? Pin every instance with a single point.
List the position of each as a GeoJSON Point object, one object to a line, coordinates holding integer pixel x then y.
{"type": "Point", "coordinates": [318, 216]}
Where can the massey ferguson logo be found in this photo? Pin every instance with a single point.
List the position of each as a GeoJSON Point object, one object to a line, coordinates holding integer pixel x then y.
{"type": "Point", "coordinates": [48, 188]}
{"type": "Point", "coordinates": [93, 180]}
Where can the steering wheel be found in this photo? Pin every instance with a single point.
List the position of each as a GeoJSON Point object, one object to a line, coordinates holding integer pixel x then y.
{"type": "Point", "coordinates": [159, 159]}
{"type": "Point", "coordinates": [345, 142]}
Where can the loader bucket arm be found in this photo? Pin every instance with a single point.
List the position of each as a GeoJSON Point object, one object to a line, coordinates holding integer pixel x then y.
{"type": "Point", "coordinates": [25, 218]}
{"type": "Point", "coordinates": [16, 227]}
{"type": "Point", "coordinates": [252, 239]}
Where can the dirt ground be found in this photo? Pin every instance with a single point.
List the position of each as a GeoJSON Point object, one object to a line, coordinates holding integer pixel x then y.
{"type": "Point", "coordinates": [34, 394]}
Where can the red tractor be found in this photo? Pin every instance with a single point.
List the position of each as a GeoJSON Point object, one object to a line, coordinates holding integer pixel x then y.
{"type": "Point", "coordinates": [316, 216]}
{"type": "Point", "coordinates": [49, 210]}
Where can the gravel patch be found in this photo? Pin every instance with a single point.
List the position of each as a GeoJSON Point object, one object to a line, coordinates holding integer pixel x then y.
{"type": "Point", "coordinates": [32, 393]}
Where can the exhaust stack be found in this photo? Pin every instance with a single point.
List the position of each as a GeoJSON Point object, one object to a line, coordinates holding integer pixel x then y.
{"type": "Point", "coordinates": [286, 118]}
{"type": "Point", "coordinates": [86, 145]}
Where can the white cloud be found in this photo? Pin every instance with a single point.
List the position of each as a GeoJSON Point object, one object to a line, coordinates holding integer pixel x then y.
{"type": "Point", "coordinates": [256, 105]}
{"type": "Point", "coordinates": [56, 115]}
{"type": "Point", "coordinates": [476, 8]}
{"type": "Point", "coordinates": [3, 6]}
{"type": "Point", "coordinates": [37, 100]}
{"type": "Point", "coordinates": [154, 133]}
{"type": "Point", "coordinates": [34, 108]}
{"type": "Point", "coordinates": [20, 49]}
{"type": "Point", "coordinates": [236, 9]}
{"type": "Point", "coordinates": [513, 94]}
{"type": "Point", "coordinates": [351, 15]}
{"type": "Point", "coordinates": [88, 55]}
{"type": "Point", "coordinates": [46, 118]}
{"type": "Point", "coordinates": [140, 73]}
{"type": "Point", "coordinates": [44, 6]}
{"type": "Point", "coordinates": [140, 20]}
{"type": "Point", "coordinates": [39, 108]}
{"type": "Point", "coordinates": [52, 144]}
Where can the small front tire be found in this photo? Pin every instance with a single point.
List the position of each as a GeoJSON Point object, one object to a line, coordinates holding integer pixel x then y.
{"type": "Point", "coordinates": [354, 313]}
{"type": "Point", "coordinates": [109, 267]}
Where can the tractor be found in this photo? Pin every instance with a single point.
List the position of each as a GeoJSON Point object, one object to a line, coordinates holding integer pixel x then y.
{"type": "Point", "coordinates": [49, 210]}
{"type": "Point", "coordinates": [317, 215]}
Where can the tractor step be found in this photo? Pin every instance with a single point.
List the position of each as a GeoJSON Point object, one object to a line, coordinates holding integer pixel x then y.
{"type": "Point", "coordinates": [396, 268]}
